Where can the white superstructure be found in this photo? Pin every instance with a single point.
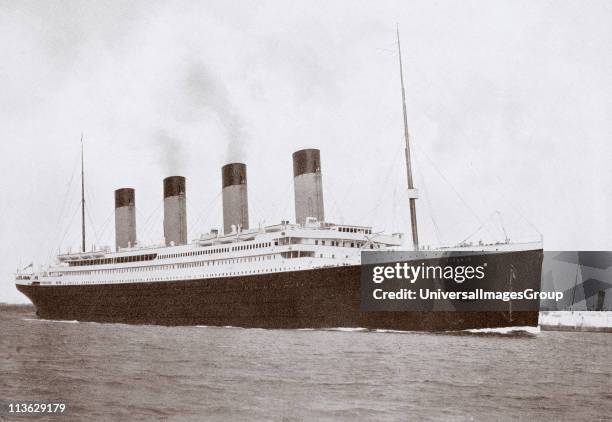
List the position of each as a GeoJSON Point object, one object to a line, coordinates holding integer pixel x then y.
{"type": "Point", "coordinates": [278, 248]}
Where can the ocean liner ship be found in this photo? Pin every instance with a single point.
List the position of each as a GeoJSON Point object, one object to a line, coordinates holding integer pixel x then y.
{"type": "Point", "coordinates": [304, 274]}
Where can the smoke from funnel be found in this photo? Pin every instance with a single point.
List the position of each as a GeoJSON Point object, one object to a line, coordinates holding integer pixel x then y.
{"type": "Point", "coordinates": [207, 91]}
{"type": "Point", "coordinates": [171, 157]}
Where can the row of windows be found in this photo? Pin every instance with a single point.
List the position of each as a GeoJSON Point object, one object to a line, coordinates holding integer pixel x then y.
{"type": "Point", "coordinates": [254, 246]}
{"type": "Point", "coordinates": [116, 260]}
{"type": "Point", "coordinates": [170, 266]}
{"type": "Point", "coordinates": [194, 253]}
{"type": "Point", "coordinates": [219, 250]}
{"type": "Point", "coordinates": [221, 274]}
{"type": "Point", "coordinates": [354, 230]}
{"type": "Point", "coordinates": [346, 244]}
{"type": "Point", "coordinates": [300, 254]}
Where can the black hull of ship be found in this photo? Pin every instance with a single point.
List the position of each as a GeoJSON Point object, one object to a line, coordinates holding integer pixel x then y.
{"type": "Point", "coordinates": [318, 298]}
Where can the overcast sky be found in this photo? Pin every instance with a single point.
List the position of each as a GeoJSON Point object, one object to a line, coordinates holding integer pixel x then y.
{"type": "Point", "coordinates": [509, 106]}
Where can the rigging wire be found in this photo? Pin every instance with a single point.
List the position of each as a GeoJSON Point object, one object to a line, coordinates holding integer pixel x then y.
{"type": "Point", "coordinates": [488, 219]}
{"type": "Point", "coordinates": [465, 203]}
{"type": "Point", "coordinates": [335, 205]}
{"type": "Point", "coordinates": [507, 199]}
{"type": "Point", "coordinates": [91, 223]}
{"type": "Point", "coordinates": [68, 190]}
{"type": "Point", "coordinates": [106, 224]}
{"type": "Point", "coordinates": [254, 211]}
{"type": "Point", "coordinates": [205, 212]}
{"type": "Point", "coordinates": [345, 192]}
{"type": "Point", "coordinates": [273, 205]}
{"type": "Point", "coordinates": [53, 239]}
{"type": "Point", "coordinates": [285, 209]}
{"type": "Point", "coordinates": [503, 228]}
{"type": "Point", "coordinates": [400, 219]}
{"type": "Point", "coordinates": [146, 228]}
{"type": "Point", "coordinates": [89, 212]}
{"type": "Point", "coordinates": [428, 199]}
{"type": "Point", "coordinates": [140, 217]}
{"type": "Point", "coordinates": [67, 229]}
{"type": "Point", "coordinates": [517, 208]}
{"type": "Point", "coordinates": [373, 213]}
{"type": "Point", "coordinates": [393, 208]}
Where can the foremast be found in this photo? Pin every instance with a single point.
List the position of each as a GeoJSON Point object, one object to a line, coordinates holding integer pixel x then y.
{"type": "Point", "coordinates": [412, 193]}
{"type": "Point", "coordinates": [82, 198]}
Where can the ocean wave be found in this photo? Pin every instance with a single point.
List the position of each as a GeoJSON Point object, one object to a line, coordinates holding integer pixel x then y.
{"type": "Point", "coordinates": [52, 320]}
{"type": "Point", "coordinates": [347, 329]}
{"type": "Point", "coordinates": [505, 330]}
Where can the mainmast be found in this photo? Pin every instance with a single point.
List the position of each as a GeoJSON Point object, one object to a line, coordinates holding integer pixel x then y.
{"type": "Point", "coordinates": [82, 199]}
{"type": "Point", "coordinates": [412, 192]}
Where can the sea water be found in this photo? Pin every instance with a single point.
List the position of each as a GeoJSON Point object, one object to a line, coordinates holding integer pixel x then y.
{"type": "Point", "coordinates": [124, 372]}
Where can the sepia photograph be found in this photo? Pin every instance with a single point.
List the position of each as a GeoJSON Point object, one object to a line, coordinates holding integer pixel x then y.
{"type": "Point", "coordinates": [306, 210]}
